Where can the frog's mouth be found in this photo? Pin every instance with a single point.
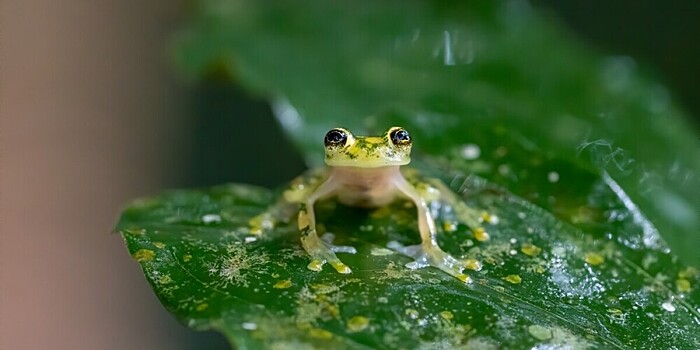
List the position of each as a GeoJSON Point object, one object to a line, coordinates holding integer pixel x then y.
{"type": "Point", "coordinates": [366, 162]}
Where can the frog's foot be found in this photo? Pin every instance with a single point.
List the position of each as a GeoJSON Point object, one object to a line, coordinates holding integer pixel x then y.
{"type": "Point", "coordinates": [432, 255]}
{"type": "Point", "coordinates": [261, 223]}
{"type": "Point", "coordinates": [328, 239]}
{"type": "Point", "coordinates": [323, 251]}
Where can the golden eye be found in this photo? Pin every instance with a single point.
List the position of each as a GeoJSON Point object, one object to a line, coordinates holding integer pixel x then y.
{"type": "Point", "coordinates": [335, 137]}
{"type": "Point", "coordinates": [400, 137]}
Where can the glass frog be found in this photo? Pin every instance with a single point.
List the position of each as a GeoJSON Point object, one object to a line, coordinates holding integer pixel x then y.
{"type": "Point", "coordinates": [366, 171]}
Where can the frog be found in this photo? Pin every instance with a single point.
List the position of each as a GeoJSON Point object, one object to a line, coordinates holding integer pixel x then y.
{"type": "Point", "coordinates": [370, 172]}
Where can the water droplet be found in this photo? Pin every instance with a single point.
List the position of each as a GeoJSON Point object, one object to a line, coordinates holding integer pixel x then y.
{"type": "Point", "coordinates": [668, 307]}
{"type": "Point", "coordinates": [287, 115]}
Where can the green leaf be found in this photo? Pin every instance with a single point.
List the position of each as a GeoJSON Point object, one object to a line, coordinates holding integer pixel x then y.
{"type": "Point", "coordinates": [590, 169]}
{"type": "Point", "coordinates": [544, 282]}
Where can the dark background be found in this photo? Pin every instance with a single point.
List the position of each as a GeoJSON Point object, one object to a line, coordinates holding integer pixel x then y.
{"type": "Point", "coordinates": [93, 115]}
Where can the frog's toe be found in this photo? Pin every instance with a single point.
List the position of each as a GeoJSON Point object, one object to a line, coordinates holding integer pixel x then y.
{"type": "Point", "coordinates": [328, 239]}
{"type": "Point", "coordinates": [316, 265]}
{"type": "Point", "coordinates": [413, 251]}
{"type": "Point", "coordinates": [418, 263]}
{"type": "Point", "coordinates": [340, 267]}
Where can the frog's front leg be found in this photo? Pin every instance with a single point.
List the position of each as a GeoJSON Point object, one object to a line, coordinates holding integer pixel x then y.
{"type": "Point", "coordinates": [429, 253]}
{"type": "Point", "coordinates": [466, 214]}
{"type": "Point", "coordinates": [321, 251]}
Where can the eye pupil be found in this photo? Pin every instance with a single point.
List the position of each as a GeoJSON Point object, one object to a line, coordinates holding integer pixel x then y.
{"type": "Point", "coordinates": [335, 137]}
{"type": "Point", "coordinates": [400, 137]}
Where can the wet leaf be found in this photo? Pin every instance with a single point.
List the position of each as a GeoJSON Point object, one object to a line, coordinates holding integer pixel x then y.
{"type": "Point", "coordinates": [590, 169]}
{"type": "Point", "coordinates": [543, 281]}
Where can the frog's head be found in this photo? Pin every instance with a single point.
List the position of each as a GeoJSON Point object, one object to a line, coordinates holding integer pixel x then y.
{"type": "Point", "coordinates": [345, 149]}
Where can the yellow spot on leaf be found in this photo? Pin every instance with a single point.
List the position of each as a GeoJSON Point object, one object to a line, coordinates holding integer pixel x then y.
{"type": "Point", "coordinates": [689, 273]}
{"type": "Point", "coordinates": [187, 258]}
{"type": "Point", "coordinates": [488, 218]}
{"type": "Point", "coordinates": [683, 285]}
{"type": "Point", "coordinates": [284, 284]}
{"type": "Point", "coordinates": [515, 279]}
{"type": "Point", "coordinates": [594, 258]}
{"type": "Point", "coordinates": [447, 315]}
{"type": "Point", "coordinates": [412, 313]}
{"type": "Point", "coordinates": [449, 226]}
{"type": "Point", "coordinates": [481, 235]}
{"type": "Point", "coordinates": [357, 323]}
{"type": "Point", "coordinates": [202, 306]}
{"type": "Point", "coordinates": [165, 279]}
{"type": "Point", "coordinates": [159, 245]}
{"type": "Point", "coordinates": [144, 255]}
{"type": "Point", "coordinates": [530, 249]}
{"type": "Point", "coordinates": [320, 333]}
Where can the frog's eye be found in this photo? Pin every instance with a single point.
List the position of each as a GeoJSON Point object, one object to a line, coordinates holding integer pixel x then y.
{"type": "Point", "coordinates": [335, 137]}
{"type": "Point", "coordinates": [400, 137]}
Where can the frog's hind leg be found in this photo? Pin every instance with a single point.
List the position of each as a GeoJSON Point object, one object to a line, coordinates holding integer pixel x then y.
{"type": "Point", "coordinates": [322, 251]}
{"type": "Point", "coordinates": [428, 252]}
{"type": "Point", "coordinates": [267, 220]}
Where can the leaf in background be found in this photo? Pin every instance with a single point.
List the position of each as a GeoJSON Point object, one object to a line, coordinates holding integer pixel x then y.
{"type": "Point", "coordinates": [493, 74]}
{"type": "Point", "coordinates": [590, 169]}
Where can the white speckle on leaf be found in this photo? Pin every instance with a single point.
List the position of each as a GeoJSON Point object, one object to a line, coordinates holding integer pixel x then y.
{"type": "Point", "coordinates": [553, 176]}
{"type": "Point", "coordinates": [249, 326]}
{"type": "Point", "coordinates": [211, 218]}
{"type": "Point", "coordinates": [471, 151]}
{"type": "Point", "coordinates": [668, 307]}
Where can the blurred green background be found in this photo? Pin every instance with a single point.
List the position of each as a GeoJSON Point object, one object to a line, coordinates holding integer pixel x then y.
{"type": "Point", "coordinates": [93, 115]}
